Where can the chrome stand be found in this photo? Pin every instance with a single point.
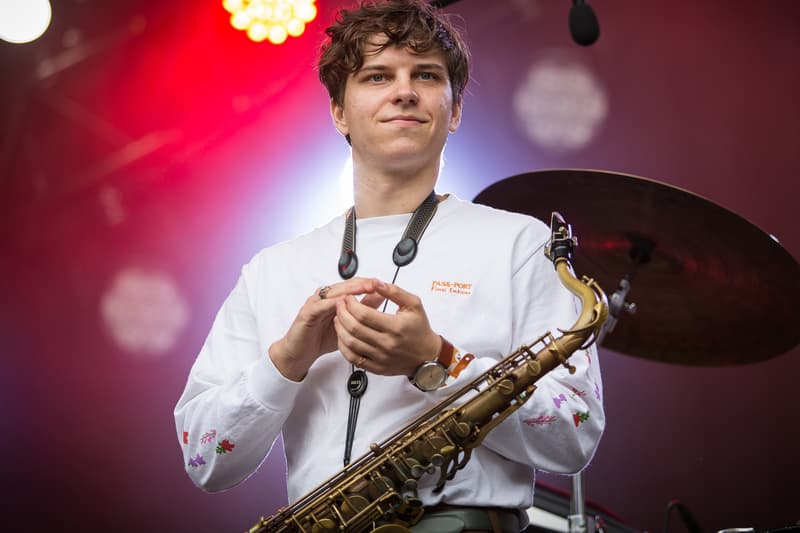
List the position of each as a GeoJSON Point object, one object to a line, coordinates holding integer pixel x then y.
{"type": "Point", "coordinates": [617, 303]}
{"type": "Point", "coordinates": [576, 521]}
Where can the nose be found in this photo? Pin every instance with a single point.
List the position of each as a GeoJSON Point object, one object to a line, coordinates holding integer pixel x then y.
{"type": "Point", "coordinates": [405, 92]}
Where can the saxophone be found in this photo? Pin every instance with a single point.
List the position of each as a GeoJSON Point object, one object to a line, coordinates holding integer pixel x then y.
{"type": "Point", "coordinates": [378, 492]}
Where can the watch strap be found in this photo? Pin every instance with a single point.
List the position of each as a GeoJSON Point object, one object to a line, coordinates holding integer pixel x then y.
{"type": "Point", "coordinates": [459, 364]}
{"type": "Point", "coordinates": [450, 359]}
{"type": "Point", "coordinates": [446, 354]}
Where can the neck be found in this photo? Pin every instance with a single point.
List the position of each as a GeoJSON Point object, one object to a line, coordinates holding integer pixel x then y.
{"type": "Point", "coordinates": [380, 194]}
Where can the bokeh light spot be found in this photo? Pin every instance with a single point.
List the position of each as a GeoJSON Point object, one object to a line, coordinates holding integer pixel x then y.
{"type": "Point", "coordinates": [560, 104]}
{"type": "Point", "coordinates": [143, 311]}
{"type": "Point", "coordinates": [273, 20]}
{"type": "Point", "coordinates": [22, 21]}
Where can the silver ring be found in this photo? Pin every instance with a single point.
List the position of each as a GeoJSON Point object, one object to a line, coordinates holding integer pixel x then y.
{"type": "Point", "coordinates": [323, 292]}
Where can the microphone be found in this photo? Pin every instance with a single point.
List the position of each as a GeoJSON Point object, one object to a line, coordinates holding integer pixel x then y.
{"type": "Point", "coordinates": [583, 23]}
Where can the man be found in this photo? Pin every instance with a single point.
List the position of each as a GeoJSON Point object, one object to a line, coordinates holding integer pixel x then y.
{"type": "Point", "coordinates": [293, 336]}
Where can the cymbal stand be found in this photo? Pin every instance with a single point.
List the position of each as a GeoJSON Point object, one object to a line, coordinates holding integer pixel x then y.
{"type": "Point", "coordinates": [576, 521]}
{"type": "Point", "coordinates": [616, 305]}
{"type": "Point", "coordinates": [640, 254]}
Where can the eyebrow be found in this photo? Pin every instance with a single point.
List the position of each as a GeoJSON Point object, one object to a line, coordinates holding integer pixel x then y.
{"type": "Point", "coordinates": [420, 66]}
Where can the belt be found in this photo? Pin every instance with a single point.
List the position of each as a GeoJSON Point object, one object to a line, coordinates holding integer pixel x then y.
{"type": "Point", "coordinates": [444, 518]}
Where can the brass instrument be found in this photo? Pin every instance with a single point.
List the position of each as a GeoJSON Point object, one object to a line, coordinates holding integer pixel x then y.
{"type": "Point", "coordinates": [378, 492]}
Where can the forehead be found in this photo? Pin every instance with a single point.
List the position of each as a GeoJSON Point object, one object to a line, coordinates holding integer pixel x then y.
{"type": "Point", "coordinates": [373, 54]}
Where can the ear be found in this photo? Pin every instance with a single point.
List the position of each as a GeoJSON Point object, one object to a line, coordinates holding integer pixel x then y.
{"type": "Point", "coordinates": [455, 118]}
{"type": "Point", "coordinates": [339, 121]}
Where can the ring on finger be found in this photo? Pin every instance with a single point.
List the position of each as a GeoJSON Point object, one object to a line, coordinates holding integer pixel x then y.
{"type": "Point", "coordinates": [323, 292]}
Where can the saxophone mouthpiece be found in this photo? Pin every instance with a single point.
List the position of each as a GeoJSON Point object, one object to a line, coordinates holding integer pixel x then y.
{"type": "Point", "coordinates": [562, 242]}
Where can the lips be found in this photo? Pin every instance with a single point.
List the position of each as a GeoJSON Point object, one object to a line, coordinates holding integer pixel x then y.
{"type": "Point", "coordinates": [406, 119]}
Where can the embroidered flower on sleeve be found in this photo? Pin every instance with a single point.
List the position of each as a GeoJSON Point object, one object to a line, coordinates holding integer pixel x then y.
{"type": "Point", "coordinates": [208, 436]}
{"type": "Point", "coordinates": [541, 420]}
{"type": "Point", "coordinates": [558, 400]}
{"type": "Point", "coordinates": [196, 461]}
{"type": "Point", "coordinates": [225, 446]}
{"type": "Point", "coordinates": [578, 418]}
{"type": "Point", "coordinates": [576, 392]}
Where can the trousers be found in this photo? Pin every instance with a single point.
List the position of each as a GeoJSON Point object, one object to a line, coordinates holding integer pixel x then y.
{"type": "Point", "coordinates": [463, 519]}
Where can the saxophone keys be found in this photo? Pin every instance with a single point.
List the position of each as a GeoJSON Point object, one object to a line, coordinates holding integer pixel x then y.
{"type": "Point", "coordinates": [448, 451]}
{"type": "Point", "coordinates": [506, 387]}
{"type": "Point", "coordinates": [353, 504]}
{"type": "Point", "coordinates": [410, 484]}
{"type": "Point", "coordinates": [379, 486]}
{"type": "Point", "coordinates": [325, 524]}
{"type": "Point", "coordinates": [462, 430]}
{"type": "Point", "coordinates": [534, 368]}
{"type": "Point", "coordinates": [417, 470]}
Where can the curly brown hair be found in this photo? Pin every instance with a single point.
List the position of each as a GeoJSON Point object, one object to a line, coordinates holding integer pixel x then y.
{"type": "Point", "coordinates": [410, 23]}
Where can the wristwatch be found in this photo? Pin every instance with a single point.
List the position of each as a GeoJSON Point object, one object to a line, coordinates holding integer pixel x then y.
{"type": "Point", "coordinates": [431, 375]}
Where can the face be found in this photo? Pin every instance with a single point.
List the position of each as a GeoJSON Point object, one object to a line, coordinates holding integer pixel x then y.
{"type": "Point", "coordinates": [398, 109]}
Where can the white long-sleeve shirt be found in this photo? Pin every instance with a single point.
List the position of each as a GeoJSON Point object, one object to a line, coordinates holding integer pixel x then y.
{"type": "Point", "coordinates": [486, 286]}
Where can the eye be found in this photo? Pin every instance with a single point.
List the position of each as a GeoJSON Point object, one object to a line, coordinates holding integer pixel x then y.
{"type": "Point", "coordinates": [427, 75]}
{"type": "Point", "coordinates": [376, 77]}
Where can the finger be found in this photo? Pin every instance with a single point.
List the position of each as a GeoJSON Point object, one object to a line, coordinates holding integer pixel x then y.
{"type": "Point", "coordinates": [360, 315]}
{"type": "Point", "coordinates": [354, 286]}
{"type": "Point", "coordinates": [316, 309]}
{"type": "Point", "coordinates": [352, 347]}
{"type": "Point", "coordinates": [373, 300]}
{"type": "Point", "coordinates": [349, 312]}
{"type": "Point", "coordinates": [402, 298]}
{"type": "Point", "coordinates": [322, 304]}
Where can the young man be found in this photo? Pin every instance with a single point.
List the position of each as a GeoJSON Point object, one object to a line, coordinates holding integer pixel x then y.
{"type": "Point", "coordinates": [283, 349]}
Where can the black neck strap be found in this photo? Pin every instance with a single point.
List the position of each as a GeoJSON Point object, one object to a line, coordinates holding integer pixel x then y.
{"type": "Point", "coordinates": [406, 249]}
{"type": "Point", "coordinates": [404, 253]}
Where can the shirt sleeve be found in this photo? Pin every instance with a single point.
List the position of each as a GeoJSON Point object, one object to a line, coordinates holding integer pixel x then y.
{"type": "Point", "coordinates": [235, 401]}
{"type": "Point", "coordinates": [559, 427]}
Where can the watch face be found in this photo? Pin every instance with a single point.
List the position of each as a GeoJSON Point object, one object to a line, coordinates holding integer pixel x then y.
{"type": "Point", "coordinates": [430, 376]}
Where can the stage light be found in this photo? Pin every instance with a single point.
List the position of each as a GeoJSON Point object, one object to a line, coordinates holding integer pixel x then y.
{"type": "Point", "coordinates": [22, 21]}
{"type": "Point", "coordinates": [272, 20]}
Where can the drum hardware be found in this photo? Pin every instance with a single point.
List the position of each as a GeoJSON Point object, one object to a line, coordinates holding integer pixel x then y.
{"type": "Point", "coordinates": [700, 275]}
{"type": "Point", "coordinates": [686, 253]}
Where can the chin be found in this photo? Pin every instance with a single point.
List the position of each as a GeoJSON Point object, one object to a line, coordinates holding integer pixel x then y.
{"type": "Point", "coordinates": [411, 158]}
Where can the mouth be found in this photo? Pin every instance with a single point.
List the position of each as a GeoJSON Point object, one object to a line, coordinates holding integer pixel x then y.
{"type": "Point", "coordinates": [405, 120]}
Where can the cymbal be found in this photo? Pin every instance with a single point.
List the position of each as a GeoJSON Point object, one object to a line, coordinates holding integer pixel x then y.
{"type": "Point", "coordinates": [710, 288]}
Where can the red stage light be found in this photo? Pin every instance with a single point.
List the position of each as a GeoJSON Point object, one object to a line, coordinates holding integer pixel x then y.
{"type": "Point", "coordinates": [272, 20]}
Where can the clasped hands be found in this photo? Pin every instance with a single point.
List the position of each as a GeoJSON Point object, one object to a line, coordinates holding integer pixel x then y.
{"type": "Point", "coordinates": [381, 343]}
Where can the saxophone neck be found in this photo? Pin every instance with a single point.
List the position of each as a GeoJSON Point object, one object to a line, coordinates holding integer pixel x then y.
{"type": "Point", "coordinates": [594, 303]}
